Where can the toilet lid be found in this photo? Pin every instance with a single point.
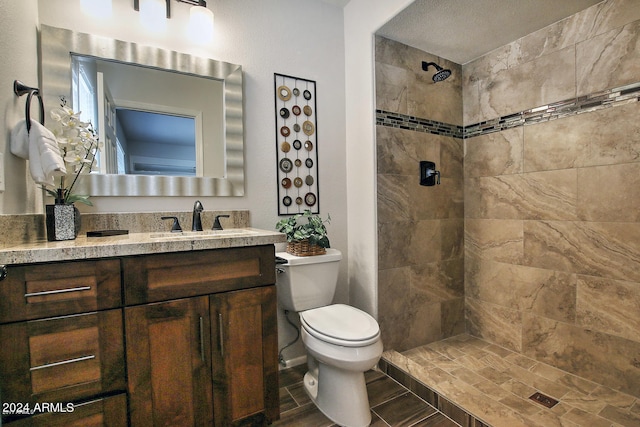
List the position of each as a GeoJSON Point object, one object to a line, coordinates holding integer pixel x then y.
{"type": "Point", "coordinates": [341, 324]}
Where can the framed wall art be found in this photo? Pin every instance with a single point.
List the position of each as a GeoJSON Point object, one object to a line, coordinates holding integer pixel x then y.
{"type": "Point", "coordinates": [296, 145]}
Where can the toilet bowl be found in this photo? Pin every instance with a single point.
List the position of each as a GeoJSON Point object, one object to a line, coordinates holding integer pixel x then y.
{"type": "Point", "coordinates": [342, 342]}
{"type": "Point", "coordinates": [339, 351]}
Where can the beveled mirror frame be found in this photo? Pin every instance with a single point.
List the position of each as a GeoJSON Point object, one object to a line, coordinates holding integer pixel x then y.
{"type": "Point", "coordinates": [56, 46]}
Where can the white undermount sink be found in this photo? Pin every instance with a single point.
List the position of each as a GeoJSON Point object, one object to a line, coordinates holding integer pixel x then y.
{"type": "Point", "coordinates": [206, 234]}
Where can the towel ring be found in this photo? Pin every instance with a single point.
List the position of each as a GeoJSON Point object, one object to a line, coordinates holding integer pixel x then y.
{"type": "Point", "coordinates": [20, 89]}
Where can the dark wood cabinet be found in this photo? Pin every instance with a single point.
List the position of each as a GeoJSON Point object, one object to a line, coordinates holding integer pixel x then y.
{"type": "Point", "coordinates": [105, 412]}
{"type": "Point", "coordinates": [245, 357]}
{"type": "Point", "coordinates": [62, 359]}
{"type": "Point", "coordinates": [59, 289]}
{"type": "Point", "coordinates": [63, 344]}
{"type": "Point", "coordinates": [169, 363]}
{"type": "Point", "coordinates": [210, 358]}
{"type": "Point", "coordinates": [172, 339]}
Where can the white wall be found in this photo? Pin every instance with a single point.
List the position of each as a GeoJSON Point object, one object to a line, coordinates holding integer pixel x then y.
{"type": "Point", "coordinates": [359, 28]}
{"type": "Point", "coordinates": [18, 44]}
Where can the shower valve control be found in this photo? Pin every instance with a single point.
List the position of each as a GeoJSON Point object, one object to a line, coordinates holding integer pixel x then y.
{"type": "Point", "coordinates": [428, 174]}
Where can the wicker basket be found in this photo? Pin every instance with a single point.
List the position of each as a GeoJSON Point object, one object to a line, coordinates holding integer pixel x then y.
{"type": "Point", "coordinates": [304, 248]}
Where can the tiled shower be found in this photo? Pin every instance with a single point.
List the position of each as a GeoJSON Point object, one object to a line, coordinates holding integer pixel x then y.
{"type": "Point", "coordinates": [532, 240]}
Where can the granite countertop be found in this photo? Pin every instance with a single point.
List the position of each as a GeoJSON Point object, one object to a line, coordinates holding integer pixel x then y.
{"type": "Point", "coordinates": [84, 247]}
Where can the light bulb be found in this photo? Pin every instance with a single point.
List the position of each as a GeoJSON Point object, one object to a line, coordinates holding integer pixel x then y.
{"type": "Point", "coordinates": [97, 8]}
{"type": "Point", "coordinates": [200, 24]}
{"type": "Point", "coordinates": [153, 14]}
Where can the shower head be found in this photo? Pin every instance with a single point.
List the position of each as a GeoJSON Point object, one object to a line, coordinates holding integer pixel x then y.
{"type": "Point", "coordinates": [441, 73]}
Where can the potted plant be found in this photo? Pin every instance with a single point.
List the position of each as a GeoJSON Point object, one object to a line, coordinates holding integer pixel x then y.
{"type": "Point", "coordinates": [306, 234]}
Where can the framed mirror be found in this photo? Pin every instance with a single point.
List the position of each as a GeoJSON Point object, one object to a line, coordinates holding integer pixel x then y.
{"type": "Point", "coordinates": [215, 107]}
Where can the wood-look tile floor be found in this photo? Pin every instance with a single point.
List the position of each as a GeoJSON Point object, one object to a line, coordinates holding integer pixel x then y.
{"type": "Point", "coordinates": [391, 404]}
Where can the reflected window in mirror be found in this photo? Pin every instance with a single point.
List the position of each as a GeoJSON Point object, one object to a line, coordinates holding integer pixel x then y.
{"type": "Point", "coordinates": [150, 121]}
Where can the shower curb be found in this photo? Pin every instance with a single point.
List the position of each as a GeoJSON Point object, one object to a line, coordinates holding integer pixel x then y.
{"type": "Point", "coordinates": [431, 396]}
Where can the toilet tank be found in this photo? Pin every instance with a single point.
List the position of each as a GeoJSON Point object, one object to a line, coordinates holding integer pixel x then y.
{"type": "Point", "coordinates": [307, 282]}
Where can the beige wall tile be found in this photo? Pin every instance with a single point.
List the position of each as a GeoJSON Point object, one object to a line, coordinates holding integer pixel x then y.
{"type": "Point", "coordinates": [425, 243]}
{"type": "Point", "coordinates": [452, 315]}
{"type": "Point", "coordinates": [497, 240]}
{"type": "Point", "coordinates": [452, 238]}
{"type": "Point", "coordinates": [603, 358]}
{"type": "Point", "coordinates": [496, 324]}
{"type": "Point", "coordinates": [442, 101]}
{"type": "Point", "coordinates": [391, 88]}
{"type": "Point", "coordinates": [393, 308]}
{"type": "Point", "coordinates": [393, 244]}
{"type": "Point", "coordinates": [554, 145]}
{"type": "Point", "coordinates": [435, 202]}
{"type": "Point", "coordinates": [399, 151]}
{"type": "Point", "coordinates": [605, 249]}
{"type": "Point", "coordinates": [548, 293]}
{"type": "Point", "coordinates": [528, 85]}
{"type": "Point", "coordinates": [610, 306]}
{"type": "Point", "coordinates": [542, 195]}
{"type": "Point", "coordinates": [609, 193]}
{"type": "Point", "coordinates": [498, 153]}
{"type": "Point", "coordinates": [584, 140]}
{"type": "Point", "coordinates": [394, 203]}
{"type": "Point", "coordinates": [608, 60]}
{"type": "Point", "coordinates": [493, 197]}
{"type": "Point", "coordinates": [439, 281]}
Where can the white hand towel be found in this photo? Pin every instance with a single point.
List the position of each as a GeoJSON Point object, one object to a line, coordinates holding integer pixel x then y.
{"type": "Point", "coordinates": [45, 160]}
{"type": "Point", "coordinates": [20, 140]}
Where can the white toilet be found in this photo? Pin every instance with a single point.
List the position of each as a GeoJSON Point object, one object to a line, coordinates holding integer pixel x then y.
{"type": "Point", "coordinates": [342, 342]}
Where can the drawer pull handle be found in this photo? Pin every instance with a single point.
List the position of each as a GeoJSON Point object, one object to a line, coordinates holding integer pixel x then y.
{"type": "Point", "coordinates": [221, 331]}
{"type": "Point", "coordinates": [63, 362]}
{"type": "Point", "coordinates": [57, 291]}
{"type": "Point", "coordinates": [201, 338]}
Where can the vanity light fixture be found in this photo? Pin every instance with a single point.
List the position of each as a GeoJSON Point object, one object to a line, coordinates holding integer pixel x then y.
{"type": "Point", "coordinates": [152, 13]}
{"type": "Point", "coordinates": [97, 8]}
{"type": "Point", "coordinates": [200, 22]}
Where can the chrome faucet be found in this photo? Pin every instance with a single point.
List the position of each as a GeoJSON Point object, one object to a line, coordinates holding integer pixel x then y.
{"type": "Point", "coordinates": [196, 225]}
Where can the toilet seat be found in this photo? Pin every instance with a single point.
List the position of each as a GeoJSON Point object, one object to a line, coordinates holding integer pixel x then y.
{"type": "Point", "coordinates": [341, 324]}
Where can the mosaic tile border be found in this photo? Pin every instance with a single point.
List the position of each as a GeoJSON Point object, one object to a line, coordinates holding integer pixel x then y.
{"type": "Point", "coordinates": [557, 110]}
{"type": "Point", "coordinates": [417, 124]}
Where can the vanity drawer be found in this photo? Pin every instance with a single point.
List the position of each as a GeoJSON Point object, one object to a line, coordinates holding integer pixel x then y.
{"type": "Point", "coordinates": [46, 290]}
{"type": "Point", "coordinates": [62, 359]}
{"type": "Point", "coordinates": [110, 411]}
{"type": "Point", "coordinates": [163, 277]}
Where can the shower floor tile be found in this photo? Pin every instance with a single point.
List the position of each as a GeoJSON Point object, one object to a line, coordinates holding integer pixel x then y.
{"type": "Point", "coordinates": [479, 384]}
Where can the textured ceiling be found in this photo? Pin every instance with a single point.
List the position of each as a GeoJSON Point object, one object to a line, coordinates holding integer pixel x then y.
{"type": "Point", "coordinates": [463, 30]}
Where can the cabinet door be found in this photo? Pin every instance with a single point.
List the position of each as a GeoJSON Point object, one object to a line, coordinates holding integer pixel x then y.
{"type": "Point", "coordinates": [62, 359]}
{"type": "Point", "coordinates": [245, 357]}
{"type": "Point", "coordinates": [169, 363]}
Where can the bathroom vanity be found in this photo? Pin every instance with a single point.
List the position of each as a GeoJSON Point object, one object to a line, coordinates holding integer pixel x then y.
{"type": "Point", "coordinates": [140, 330]}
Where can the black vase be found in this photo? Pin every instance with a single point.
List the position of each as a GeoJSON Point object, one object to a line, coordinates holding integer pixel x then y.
{"type": "Point", "coordinates": [62, 220]}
